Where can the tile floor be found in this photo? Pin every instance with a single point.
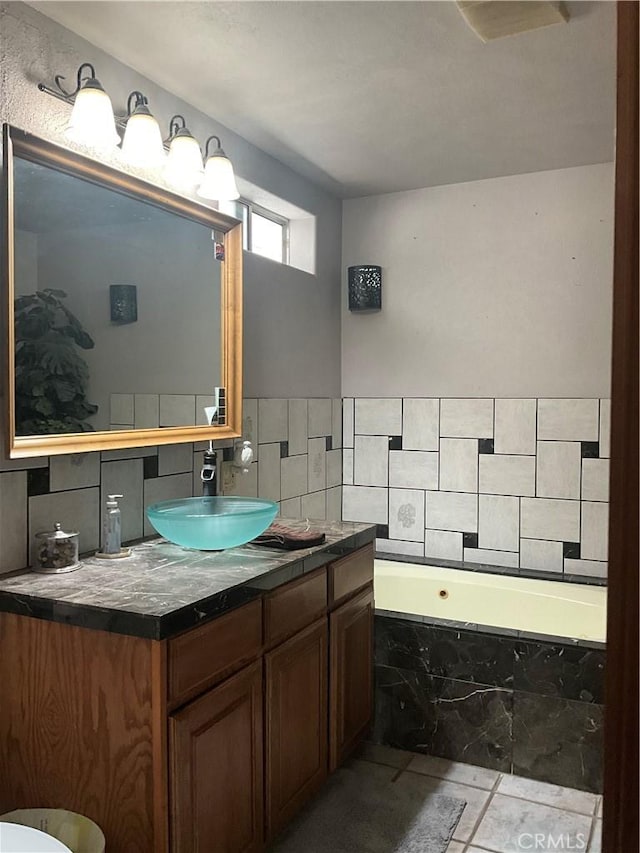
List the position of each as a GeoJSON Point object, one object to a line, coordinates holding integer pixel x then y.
{"type": "Point", "coordinates": [504, 813]}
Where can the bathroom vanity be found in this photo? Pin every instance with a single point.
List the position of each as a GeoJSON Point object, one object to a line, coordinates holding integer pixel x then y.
{"type": "Point", "coordinates": [187, 701]}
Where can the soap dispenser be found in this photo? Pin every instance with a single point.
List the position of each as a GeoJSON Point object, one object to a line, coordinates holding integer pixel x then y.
{"type": "Point", "coordinates": [112, 532]}
{"type": "Point", "coordinates": [112, 527]}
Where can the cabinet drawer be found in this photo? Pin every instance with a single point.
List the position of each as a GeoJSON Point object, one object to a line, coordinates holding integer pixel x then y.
{"type": "Point", "coordinates": [203, 656]}
{"type": "Point", "coordinates": [293, 606]}
{"type": "Point", "coordinates": [351, 573]}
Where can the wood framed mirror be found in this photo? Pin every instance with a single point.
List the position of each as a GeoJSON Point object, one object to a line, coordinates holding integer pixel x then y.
{"type": "Point", "coordinates": [122, 308]}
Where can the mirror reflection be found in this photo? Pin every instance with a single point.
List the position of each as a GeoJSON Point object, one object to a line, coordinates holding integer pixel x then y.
{"type": "Point", "coordinates": [117, 309]}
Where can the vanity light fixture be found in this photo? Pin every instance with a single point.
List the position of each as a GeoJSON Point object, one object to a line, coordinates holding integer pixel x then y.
{"type": "Point", "coordinates": [219, 182]}
{"type": "Point", "coordinates": [184, 162]}
{"type": "Point", "coordinates": [142, 144]}
{"type": "Point", "coordinates": [92, 122]}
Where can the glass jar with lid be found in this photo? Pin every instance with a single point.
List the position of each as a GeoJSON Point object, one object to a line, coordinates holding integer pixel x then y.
{"type": "Point", "coordinates": [56, 551]}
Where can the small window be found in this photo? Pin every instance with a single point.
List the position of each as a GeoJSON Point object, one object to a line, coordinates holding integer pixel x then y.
{"type": "Point", "coordinates": [264, 232]}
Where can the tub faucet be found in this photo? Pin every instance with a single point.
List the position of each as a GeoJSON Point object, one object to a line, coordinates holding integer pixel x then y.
{"type": "Point", "coordinates": [208, 474]}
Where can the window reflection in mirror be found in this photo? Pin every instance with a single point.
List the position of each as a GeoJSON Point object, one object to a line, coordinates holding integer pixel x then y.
{"type": "Point", "coordinates": [92, 355]}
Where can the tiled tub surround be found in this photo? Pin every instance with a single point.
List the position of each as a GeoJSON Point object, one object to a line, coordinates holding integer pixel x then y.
{"type": "Point", "coordinates": [520, 484]}
{"type": "Point", "coordinates": [298, 464]}
{"type": "Point", "coordinates": [163, 589]}
{"type": "Point", "coordinates": [531, 707]}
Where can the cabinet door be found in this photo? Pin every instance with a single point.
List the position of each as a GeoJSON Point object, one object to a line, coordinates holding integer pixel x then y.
{"type": "Point", "coordinates": [351, 688]}
{"type": "Point", "coordinates": [297, 734]}
{"type": "Point", "coordinates": [216, 758]}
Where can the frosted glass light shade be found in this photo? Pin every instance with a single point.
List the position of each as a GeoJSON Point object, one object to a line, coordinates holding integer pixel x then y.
{"type": "Point", "coordinates": [219, 182]}
{"type": "Point", "coordinates": [142, 143]}
{"type": "Point", "coordinates": [92, 122]}
{"type": "Point", "coordinates": [184, 162]}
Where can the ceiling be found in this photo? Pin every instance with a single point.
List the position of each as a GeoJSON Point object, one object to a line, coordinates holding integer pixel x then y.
{"type": "Point", "coordinates": [374, 97]}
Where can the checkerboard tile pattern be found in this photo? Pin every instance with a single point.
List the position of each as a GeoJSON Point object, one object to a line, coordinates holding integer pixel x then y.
{"type": "Point", "coordinates": [515, 483]}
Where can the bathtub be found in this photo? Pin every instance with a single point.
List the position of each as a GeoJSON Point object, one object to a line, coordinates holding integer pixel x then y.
{"type": "Point", "coordinates": [494, 670]}
{"type": "Point", "coordinates": [542, 607]}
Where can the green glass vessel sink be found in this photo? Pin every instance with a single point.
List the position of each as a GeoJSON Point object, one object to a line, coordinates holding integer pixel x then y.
{"type": "Point", "coordinates": [212, 524]}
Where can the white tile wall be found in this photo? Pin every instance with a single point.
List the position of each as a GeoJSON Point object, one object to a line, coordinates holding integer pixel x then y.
{"type": "Point", "coordinates": [452, 511]}
{"type": "Point", "coordinates": [406, 514]}
{"type": "Point", "coordinates": [273, 420]}
{"type": "Point", "coordinates": [293, 474]}
{"type": "Point", "coordinates": [175, 459]}
{"type": "Point", "coordinates": [121, 409]}
{"type": "Point", "coordinates": [594, 531]}
{"type": "Point", "coordinates": [397, 546]}
{"type": "Point", "coordinates": [165, 489]}
{"type": "Point", "coordinates": [371, 460]}
{"type": "Point", "coordinates": [365, 503]}
{"type": "Point", "coordinates": [250, 424]}
{"type": "Point", "coordinates": [320, 417]}
{"type": "Point", "coordinates": [317, 464]}
{"type": "Point", "coordinates": [498, 522]}
{"type": "Point", "coordinates": [515, 426]}
{"type": "Point", "coordinates": [541, 555]}
{"type": "Point", "coordinates": [558, 520]}
{"type": "Point", "coordinates": [125, 478]}
{"type": "Point", "coordinates": [347, 467]}
{"type": "Point", "coordinates": [177, 410]}
{"type": "Point", "coordinates": [568, 420]}
{"type": "Point", "coordinates": [595, 479]}
{"type": "Point", "coordinates": [459, 464]}
{"type": "Point", "coordinates": [13, 512]}
{"type": "Point", "coordinates": [491, 558]}
{"type": "Point", "coordinates": [509, 470]}
{"type": "Point", "coordinates": [146, 411]}
{"type": "Point", "coordinates": [314, 505]}
{"type": "Point", "coordinates": [78, 509]}
{"type": "Point", "coordinates": [413, 469]}
{"type": "Point", "coordinates": [590, 568]}
{"type": "Point", "coordinates": [298, 426]}
{"type": "Point", "coordinates": [378, 416]}
{"type": "Point", "coordinates": [73, 489]}
{"type": "Point", "coordinates": [558, 469]}
{"type": "Point", "coordinates": [74, 471]}
{"type": "Point", "coordinates": [507, 475]}
{"type": "Point", "coordinates": [443, 544]}
{"type": "Point", "coordinates": [466, 418]}
{"type": "Point", "coordinates": [420, 424]}
{"type": "Point", "coordinates": [347, 422]}
{"type": "Point", "coordinates": [269, 471]}
{"type": "Point", "coordinates": [605, 428]}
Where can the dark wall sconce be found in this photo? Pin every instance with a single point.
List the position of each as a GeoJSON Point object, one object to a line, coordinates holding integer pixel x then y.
{"type": "Point", "coordinates": [365, 288]}
{"type": "Point", "coordinates": [124, 303]}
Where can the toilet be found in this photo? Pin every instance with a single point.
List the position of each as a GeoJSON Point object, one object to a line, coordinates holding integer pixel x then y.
{"type": "Point", "coordinates": [15, 838]}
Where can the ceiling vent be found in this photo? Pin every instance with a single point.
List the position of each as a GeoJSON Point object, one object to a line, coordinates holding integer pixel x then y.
{"type": "Point", "coordinates": [495, 19]}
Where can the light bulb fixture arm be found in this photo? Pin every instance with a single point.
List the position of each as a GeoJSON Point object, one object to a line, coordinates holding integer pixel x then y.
{"type": "Point", "coordinates": [62, 93]}
{"type": "Point", "coordinates": [218, 152]}
{"type": "Point", "coordinates": [176, 123]}
{"type": "Point", "coordinates": [140, 101]}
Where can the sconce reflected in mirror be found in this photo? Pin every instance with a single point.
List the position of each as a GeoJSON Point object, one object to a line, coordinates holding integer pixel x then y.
{"type": "Point", "coordinates": [93, 123]}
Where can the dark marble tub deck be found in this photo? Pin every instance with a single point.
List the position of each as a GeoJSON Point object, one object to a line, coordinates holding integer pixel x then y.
{"type": "Point", "coordinates": [527, 706]}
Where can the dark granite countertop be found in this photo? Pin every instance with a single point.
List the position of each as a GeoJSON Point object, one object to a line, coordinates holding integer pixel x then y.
{"type": "Point", "coordinates": [163, 589]}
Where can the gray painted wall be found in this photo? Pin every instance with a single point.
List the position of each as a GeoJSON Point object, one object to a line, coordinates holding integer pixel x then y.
{"type": "Point", "coordinates": [496, 288]}
{"type": "Point", "coordinates": [33, 48]}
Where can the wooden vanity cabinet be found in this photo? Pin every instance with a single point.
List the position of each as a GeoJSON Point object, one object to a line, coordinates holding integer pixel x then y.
{"type": "Point", "coordinates": [216, 768]}
{"type": "Point", "coordinates": [209, 741]}
{"type": "Point", "coordinates": [351, 668]}
{"type": "Point", "coordinates": [296, 716]}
